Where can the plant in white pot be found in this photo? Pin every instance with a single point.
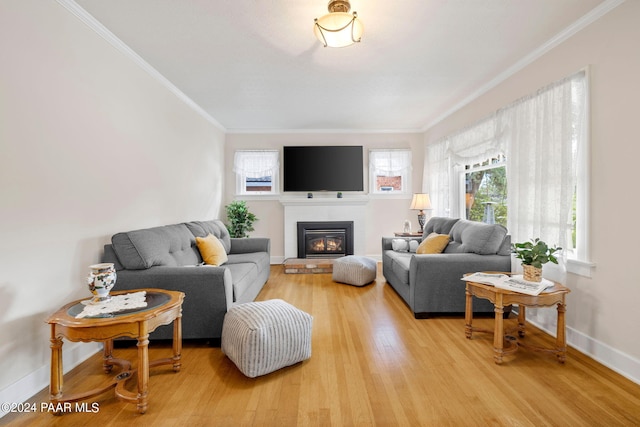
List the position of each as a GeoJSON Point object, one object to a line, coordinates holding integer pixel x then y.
{"type": "Point", "coordinates": [534, 254]}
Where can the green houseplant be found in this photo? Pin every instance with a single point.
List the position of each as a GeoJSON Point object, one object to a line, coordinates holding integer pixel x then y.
{"type": "Point", "coordinates": [534, 254]}
{"type": "Point", "coordinates": [240, 219]}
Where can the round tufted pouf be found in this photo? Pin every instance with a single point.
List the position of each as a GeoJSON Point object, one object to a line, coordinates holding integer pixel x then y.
{"type": "Point", "coordinates": [354, 270]}
{"type": "Point", "coordinates": [264, 336]}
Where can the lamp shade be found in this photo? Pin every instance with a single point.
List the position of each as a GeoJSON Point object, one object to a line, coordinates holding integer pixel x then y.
{"type": "Point", "coordinates": [338, 28]}
{"type": "Point", "coordinates": [420, 201]}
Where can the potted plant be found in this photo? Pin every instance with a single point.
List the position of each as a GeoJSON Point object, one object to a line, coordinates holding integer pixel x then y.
{"type": "Point", "coordinates": [533, 255]}
{"type": "Point", "coordinates": [240, 219]}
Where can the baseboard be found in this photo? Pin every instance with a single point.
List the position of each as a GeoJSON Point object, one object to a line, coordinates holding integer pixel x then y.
{"type": "Point", "coordinates": [72, 354]}
{"type": "Point", "coordinates": [622, 363]}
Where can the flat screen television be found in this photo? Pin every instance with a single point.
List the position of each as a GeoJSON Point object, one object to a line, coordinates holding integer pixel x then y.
{"type": "Point", "coordinates": [323, 168]}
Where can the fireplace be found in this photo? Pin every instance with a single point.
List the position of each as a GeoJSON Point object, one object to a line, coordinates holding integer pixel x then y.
{"type": "Point", "coordinates": [326, 239]}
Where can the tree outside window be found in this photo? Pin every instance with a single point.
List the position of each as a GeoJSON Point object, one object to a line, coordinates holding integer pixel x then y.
{"type": "Point", "coordinates": [486, 192]}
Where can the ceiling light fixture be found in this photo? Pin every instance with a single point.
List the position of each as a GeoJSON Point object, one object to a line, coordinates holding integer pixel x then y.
{"type": "Point", "coordinates": [338, 28]}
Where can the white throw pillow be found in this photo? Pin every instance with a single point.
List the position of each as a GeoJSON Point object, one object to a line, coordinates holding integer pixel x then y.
{"type": "Point", "coordinates": [400, 245]}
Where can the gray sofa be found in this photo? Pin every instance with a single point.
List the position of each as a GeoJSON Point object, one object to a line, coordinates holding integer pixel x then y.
{"type": "Point", "coordinates": [430, 283]}
{"type": "Point", "coordinates": [167, 258]}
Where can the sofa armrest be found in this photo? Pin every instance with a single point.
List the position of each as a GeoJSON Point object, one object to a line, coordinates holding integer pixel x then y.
{"type": "Point", "coordinates": [249, 245]}
{"type": "Point", "coordinates": [210, 283]}
{"type": "Point", "coordinates": [387, 243]}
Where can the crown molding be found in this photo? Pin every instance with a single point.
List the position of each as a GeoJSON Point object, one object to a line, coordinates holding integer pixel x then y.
{"type": "Point", "coordinates": [586, 20]}
{"type": "Point", "coordinates": [559, 38]}
{"type": "Point", "coordinates": [321, 131]}
{"type": "Point", "coordinates": [112, 39]}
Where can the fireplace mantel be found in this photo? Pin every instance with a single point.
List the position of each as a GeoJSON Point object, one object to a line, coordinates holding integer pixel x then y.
{"type": "Point", "coordinates": [324, 201]}
{"type": "Point", "coordinates": [323, 208]}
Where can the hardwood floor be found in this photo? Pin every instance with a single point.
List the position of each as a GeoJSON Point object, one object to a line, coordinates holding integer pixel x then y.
{"type": "Point", "coordinates": [372, 363]}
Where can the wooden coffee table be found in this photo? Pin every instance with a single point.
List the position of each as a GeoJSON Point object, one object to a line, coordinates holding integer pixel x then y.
{"type": "Point", "coordinates": [163, 307]}
{"type": "Point", "coordinates": [501, 298]}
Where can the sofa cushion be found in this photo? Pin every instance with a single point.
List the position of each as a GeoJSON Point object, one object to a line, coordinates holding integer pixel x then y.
{"type": "Point", "coordinates": [215, 227]}
{"type": "Point", "coordinates": [434, 243]}
{"type": "Point", "coordinates": [439, 225]}
{"type": "Point", "coordinates": [211, 250]}
{"type": "Point", "coordinates": [476, 237]}
{"type": "Point", "coordinates": [170, 245]}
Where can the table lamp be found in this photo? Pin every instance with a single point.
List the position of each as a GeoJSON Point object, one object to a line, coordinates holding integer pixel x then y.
{"type": "Point", "coordinates": [420, 202]}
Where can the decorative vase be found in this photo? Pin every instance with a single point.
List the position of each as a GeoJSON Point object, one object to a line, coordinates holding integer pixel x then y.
{"type": "Point", "coordinates": [531, 273]}
{"type": "Point", "coordinates": [101, 280]}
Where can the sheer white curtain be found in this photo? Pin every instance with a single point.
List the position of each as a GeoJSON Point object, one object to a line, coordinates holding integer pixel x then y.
{"type": "Point", "coordinates": [477, 143]}
{"type": "Point", "coordinates": [390, 162]}
{"type": "Point", "coordinates": [544, 132]}
{"type": "Point", "coordinates": [256, 164]}
{"type": "Point", "coordinates": [437, 177]}
{"type": "Point", "coordinates": [541, 136]}
{"type": "Point", "coordinates": [446, 157]}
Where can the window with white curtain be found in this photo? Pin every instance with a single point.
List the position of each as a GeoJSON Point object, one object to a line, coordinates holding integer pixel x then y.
{"type": "Point", "coordinates": [257, 172]}
{"type": "Point", "coordinates": [390, 171]}
{"type": "Point", "coordinates": [544, 140]}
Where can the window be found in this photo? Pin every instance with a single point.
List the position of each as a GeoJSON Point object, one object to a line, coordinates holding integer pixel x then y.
{"type": "Point", "coordinates": [485, 191]}
{"type": "Point", "coordinates": [390, 171]}
{"type": "Point", "coordinates": [538, 146]}
{"type": "Point", "coordinates": [256, 172]}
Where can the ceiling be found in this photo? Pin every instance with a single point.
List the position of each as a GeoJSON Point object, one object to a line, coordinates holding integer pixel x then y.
{"type": "Point", "coordinates": [255, 65]}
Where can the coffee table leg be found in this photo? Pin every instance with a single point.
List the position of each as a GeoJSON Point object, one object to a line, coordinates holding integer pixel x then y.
{"type": "Point", "coordinates": [498, 333]}
{"type": "Point", "coordinates": [143, 368]}
{"type": "Point", "coordinates": [561, 340]}
{"type": "Point", "coordinates": [468, 314]}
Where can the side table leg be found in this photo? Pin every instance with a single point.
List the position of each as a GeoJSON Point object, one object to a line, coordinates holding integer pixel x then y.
{"type": "Point", "coordinates": [561, 340]}
{"type": "Point", "coordinates": [468, 314]}
{"type": "Point", "coordinates": [498, 333]}
{"type": "Point", "coordinates": [522, 310]}
{"type": "Point", "coordinates": [107, 356]}
{"type": "Point", "coordinates": [55, 389]}
{"type": "Point", "coordinates": [143, 368]}
{"type": "Point", "coordinates": [177, 343]}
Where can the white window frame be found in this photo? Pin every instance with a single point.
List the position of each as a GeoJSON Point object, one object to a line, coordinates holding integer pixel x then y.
{"type": "Point", "coordinates": [395, 162]}
{"type": "Point", "coordinates": [247, 165]}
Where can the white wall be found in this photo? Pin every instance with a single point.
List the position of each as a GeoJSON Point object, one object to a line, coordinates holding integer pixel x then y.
{"type": "Point", "coordinates": [600, 314]}
{"type": "Point", "coordinates": [90, 145]}
{"type": "Point", "coordinates": [384, 214]}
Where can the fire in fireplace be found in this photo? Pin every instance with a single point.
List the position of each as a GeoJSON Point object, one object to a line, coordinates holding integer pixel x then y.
{"type": "Point", "coordinates": [327, 239]}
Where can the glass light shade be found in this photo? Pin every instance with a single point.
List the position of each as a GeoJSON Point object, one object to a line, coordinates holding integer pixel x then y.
{"type": "Point", "coordinates": [420, 201]}
{"type": "Point", "coordinates": [338, 29]}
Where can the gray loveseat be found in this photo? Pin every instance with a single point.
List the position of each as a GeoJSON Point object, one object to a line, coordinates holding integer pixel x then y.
{"type": "Point", "coordinates": [167, 258]}
{"type": "Point", "coordinates": [430, 283]}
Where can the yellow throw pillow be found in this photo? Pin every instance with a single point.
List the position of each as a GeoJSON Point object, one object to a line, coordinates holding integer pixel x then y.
{"type": "Point", "coordinates": [211, 249]}
{"type": "Point", "coordinates": [433, 244]}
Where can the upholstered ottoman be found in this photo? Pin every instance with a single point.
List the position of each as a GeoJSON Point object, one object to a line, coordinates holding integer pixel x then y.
{"type": "Point", "coordinates": [264, 336]}
{"type": "Point", "coordinates": [354, 270]}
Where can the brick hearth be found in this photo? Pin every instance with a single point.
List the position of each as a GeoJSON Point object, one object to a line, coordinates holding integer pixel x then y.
{"type": "Point", "coordinates": [308, 266]}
